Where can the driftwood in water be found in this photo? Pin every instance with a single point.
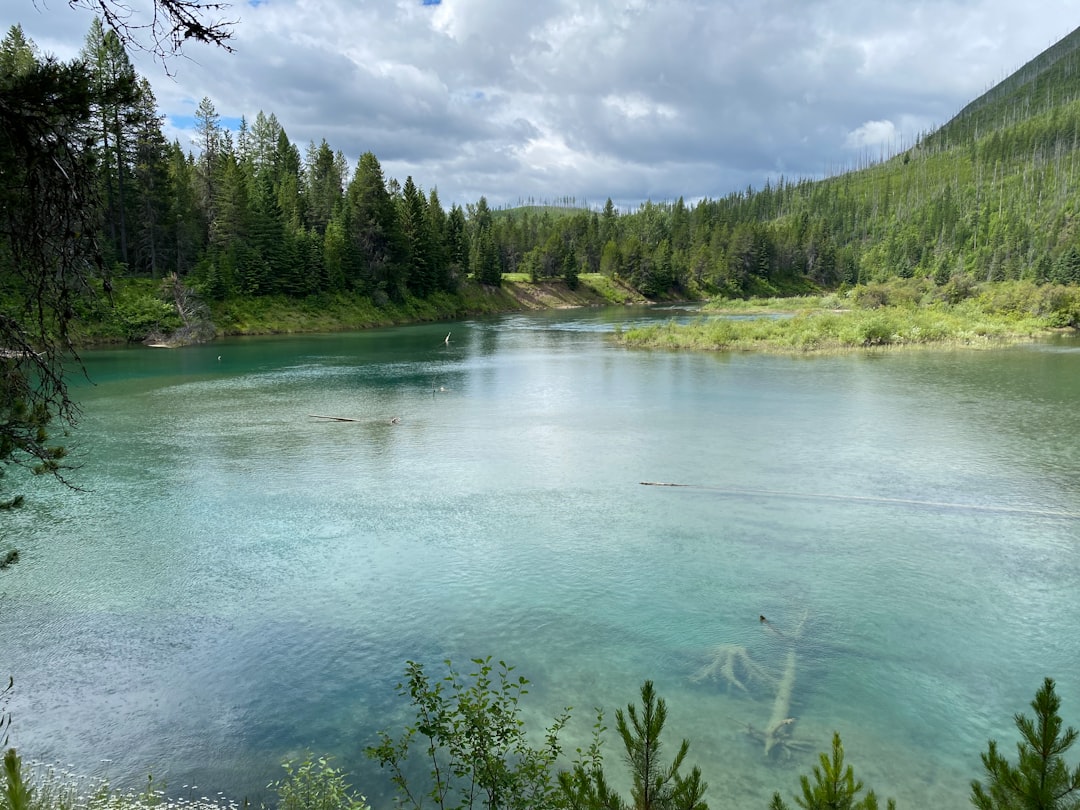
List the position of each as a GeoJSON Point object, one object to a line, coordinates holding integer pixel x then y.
{"type": "Point", "coordinates": [395, 420]}
{"type": "Point", "coordinates": [731, 665]}
{"type": "Point", "coordinates": [780, 721]}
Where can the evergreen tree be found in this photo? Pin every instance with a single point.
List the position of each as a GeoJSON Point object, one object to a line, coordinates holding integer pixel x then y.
{"type": "Point", "coordinates": [655, 786]}
{"type": "Point", "coordinates": [1040, 779]}
{"type": "Point", "coordinates": [185, 223]}
{"type": "Point", "coordinates": [483, 253]}
{"type": "Point", "coordinates": [114, 90]}
{"type": "Point", "coordinates": [413, 220]}
{"type": "Point", "coordinates": [436, 225]}
{"type": "Point", "coordinates": [457, 243]}
{"type": "Point", "coordinates": [323, 186]}
{"type": "Point", "coordinates": [834, 786]}
{"type": "Point", "coordinates": [18, 55]}
{"type": "Point", "coordinates": [49, 211]}
{"type": "Point", "coordinates": [152, 191]}
{"type": "Point", "coordinates": [210, 142]}
{"type": "Point", "coordinates": [375, 243]}
{"type": "Point", "coordinates": [265, 131]}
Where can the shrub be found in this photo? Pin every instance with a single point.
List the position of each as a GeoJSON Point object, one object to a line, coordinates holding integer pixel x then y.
{"type": "Point", "coordinates": [314, 785]}
{"type": "Point", "coordinates": [474, 740]}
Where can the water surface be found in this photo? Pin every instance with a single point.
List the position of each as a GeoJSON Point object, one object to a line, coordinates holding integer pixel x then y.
{"type": "Point", "coordinates": [241, 581]}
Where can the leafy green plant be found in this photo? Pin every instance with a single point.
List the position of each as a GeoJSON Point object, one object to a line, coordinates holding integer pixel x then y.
{"type": "Point", "coordinates": [472, 737]}
{"type": "Point", "coordinates": [15, 794]}
{"type": "Point", "coordinates": [834, 786]}
{"type": "Point", "coordinates": [314, 784]}
{"type": "Point", "coordinates": [1040, 779]}
{"type": "Point", "coordinates": [655, 786]}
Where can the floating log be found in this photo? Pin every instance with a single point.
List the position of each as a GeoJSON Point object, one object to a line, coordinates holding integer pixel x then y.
{"type": "Point", "coordinates": [394, 420]}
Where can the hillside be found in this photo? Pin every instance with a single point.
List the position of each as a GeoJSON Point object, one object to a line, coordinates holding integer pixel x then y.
{"type": "Point", "coordinates": [1049, 80]}
{"type": "Point", "coordinates": [992, 195]}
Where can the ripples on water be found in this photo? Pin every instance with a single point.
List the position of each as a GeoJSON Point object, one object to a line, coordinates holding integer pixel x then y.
{"type": "Point", "coordinates": [242, 582]}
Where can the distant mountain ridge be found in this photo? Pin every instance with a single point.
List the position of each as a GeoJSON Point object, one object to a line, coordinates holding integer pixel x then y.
{"type": "Point", "coordinates": [1049, 80]}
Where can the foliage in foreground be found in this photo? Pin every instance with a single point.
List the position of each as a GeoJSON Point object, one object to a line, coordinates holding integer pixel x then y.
{"type": "Point", "coordinates": [834, 786]}
{"type": "Point", "coordinates": [473, 740]}
{"type": "Point", "coordinates": [1040, 779]}
{"type": "Point", "coordinates": [314, 784]}
{"type": "Point", "coordinates": [655, 786]}
{"type": "Point", "coordinates": [470, 733]}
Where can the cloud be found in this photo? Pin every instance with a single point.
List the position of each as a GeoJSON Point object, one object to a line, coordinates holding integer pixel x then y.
{"type": "Point", "coordinates": [632, 99]}
{"type": "Point", "coordinates": [872, 133]}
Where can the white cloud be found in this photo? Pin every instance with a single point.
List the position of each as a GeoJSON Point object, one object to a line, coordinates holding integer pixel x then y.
{"type": "Point", "coordinates": [872, 133]}
{"type": "Point", "coordinates": [590, 98]}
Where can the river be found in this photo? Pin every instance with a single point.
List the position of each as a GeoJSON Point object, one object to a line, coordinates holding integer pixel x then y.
{"type": "Point", "coordinates": [240, 581]}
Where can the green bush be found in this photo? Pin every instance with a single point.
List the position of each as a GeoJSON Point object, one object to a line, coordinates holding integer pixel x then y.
{"type": "Point", "coordinates": [138, 313]}
{"type": "Point", "coordinates": [313, 784]}
{"type": "Point", "coordinates": [472, 736]}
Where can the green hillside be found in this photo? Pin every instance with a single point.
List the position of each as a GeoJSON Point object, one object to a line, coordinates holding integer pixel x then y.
{"type": "Point", "coordinates": [1047, 81]}
{"type": "Point", "coordinates": [992, 195]}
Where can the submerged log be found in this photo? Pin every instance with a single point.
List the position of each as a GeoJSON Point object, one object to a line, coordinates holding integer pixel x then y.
{"type": "Point", "coordinates": [780, 721]}
{"type": "Point", "coordinates": [732, 665]}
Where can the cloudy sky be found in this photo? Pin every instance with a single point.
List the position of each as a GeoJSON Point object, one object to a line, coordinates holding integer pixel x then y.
{"type": "Point", "coordinates": [632, 99]}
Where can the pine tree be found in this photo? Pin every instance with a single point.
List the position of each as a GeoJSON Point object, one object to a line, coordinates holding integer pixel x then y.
{"type": "Point", "coordinates": [115, 93]}
{"type": "Point", "coordinates": [483, 253]}
{"type": "Point", "coordinates": [210, 143]}
{"type": "Point", "coordinates": [151, 190]}
{"type": "Point", "coordinates": [655, 786]}
{"type": "Point", "coordinates": [457, 243]}
{"type": "Point", "coordinates": [412, 217]}
{"type": "Point", "coordinates": [18, 55]}
{"type": "Point", "coordinates": [49, 213]}
{"type": "Point", "coordinates": [375, 243]}
{"type": "Point", "coordinates": [1040, 779]}
{"type": "Point", "coordinates": [436, 225]}
{"type": "Point", "coordinates": [323, 186]}
{"type": "Point", "coordinates": [834, 786]}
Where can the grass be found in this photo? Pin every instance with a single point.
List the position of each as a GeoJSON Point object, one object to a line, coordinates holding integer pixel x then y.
{"type": "Point", "coordinates": [344, 312]}
{"type": "Point", "coordinates": [53, 789]}
{"type": "Point", "coordinates": [807, 325]}
{"type": "Point", "coordinates": [311, 784]}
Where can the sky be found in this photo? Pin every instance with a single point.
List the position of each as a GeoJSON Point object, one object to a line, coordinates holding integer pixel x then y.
{"type": "Point", "coordinates": [541, 100]}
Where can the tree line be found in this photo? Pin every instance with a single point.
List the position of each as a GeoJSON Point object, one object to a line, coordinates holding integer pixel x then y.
{"type": "Point", "coordinates": [246, 213]}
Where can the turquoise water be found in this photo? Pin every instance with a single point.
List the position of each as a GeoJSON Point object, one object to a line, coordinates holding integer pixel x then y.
{"type": "Point", "coordinates": [241, 581]}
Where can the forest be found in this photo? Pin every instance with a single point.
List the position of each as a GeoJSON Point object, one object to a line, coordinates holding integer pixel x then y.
{"type": "Point", "coordinates": [990, 196]}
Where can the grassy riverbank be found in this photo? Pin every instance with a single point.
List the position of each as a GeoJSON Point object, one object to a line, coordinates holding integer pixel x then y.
{"type": "Point", "coordinates": [878, 316]}
{"type": "Point", "coordinates": [342, 312]}
{"type": "Point", "coordinates": [138, 309]}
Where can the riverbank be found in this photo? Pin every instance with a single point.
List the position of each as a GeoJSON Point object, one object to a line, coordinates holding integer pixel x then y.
{"type": "Point", "coordinates": [336, 313]}
{"type": "Point", "coordinates": [865, 319]}
{"type": "Point", "coordinates": [136, 311]}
